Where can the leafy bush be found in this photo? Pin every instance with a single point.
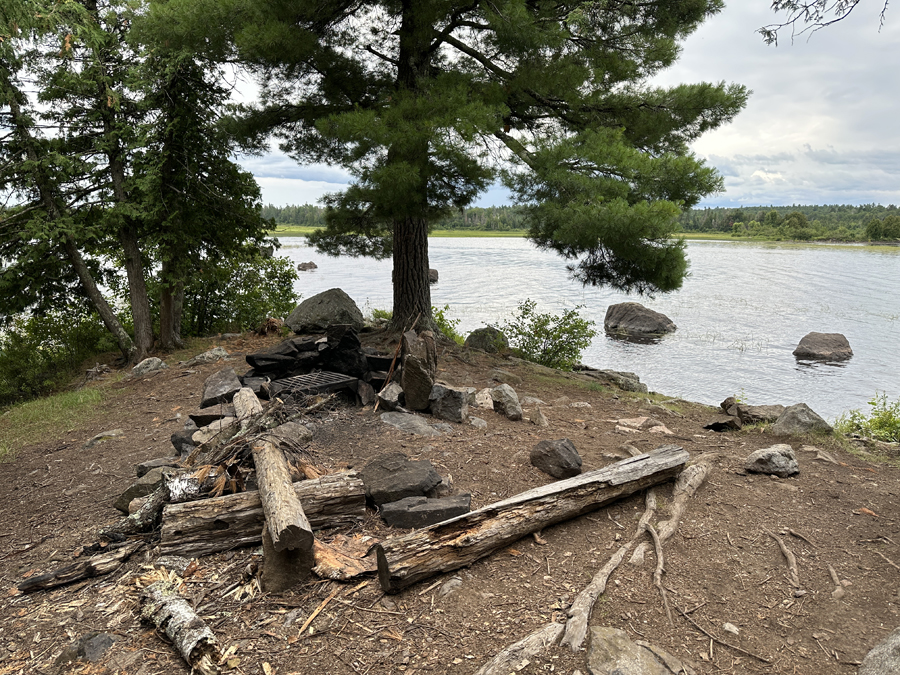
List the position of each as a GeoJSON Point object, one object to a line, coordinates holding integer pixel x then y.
{"type": "Point", "coordinates": [553, 341]}
{"type": "Point", "coordinates": [446, 324]}
{"type": "Point", "coordinates": [238, 294]}
{"type": "Point", "coordinates": [41, 354]}
{"type": "Point", "coordinates": [883, 422]}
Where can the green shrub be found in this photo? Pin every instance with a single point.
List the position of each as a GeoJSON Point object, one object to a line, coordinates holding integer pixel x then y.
{"type": "Point", "coordinates": [553, 341]}
{"type": "Point", "coordinates": [382, 315]}
{"type": "Point", "coordinates": [883, 422]}
{"type": "Point", "coordinates": [446, 324]}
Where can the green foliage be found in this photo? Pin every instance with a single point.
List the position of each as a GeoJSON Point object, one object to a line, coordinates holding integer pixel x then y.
{"type": "Point", "coordinates": [553, 341]}
{"type": "Point", "coordinates": [238, 293]}
{"type": "Point", "coordinates": [446, 324]}
{"type": "Point", "coordinates": [882, 423]}
{"type": "Point", "coordinates": [40, 354]}
{"type": "Point", "coordinates": [382, 314]}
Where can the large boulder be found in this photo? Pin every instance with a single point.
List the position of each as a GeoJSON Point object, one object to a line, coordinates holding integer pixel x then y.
{"type": "Point", "coordinates": [220, 387]}
{"type": "Point", "coordinates": [799, 419]}
{"type": "Point", "coordinates": [392, 477]}
{"type": "Point", "coordinates": [449, 403]}
{"type": "Point", "coordinates": [632, 318]}
{"type": "Point", "coordinates": [611, 652]}
{"type": "Point", "coordinates": [823, 346]}
{"type": "Point", "coordinates": [559, 458]}
{"type": "Point", "coordinates": [487, 339]}
{"type": "Point", "coordinates": [777, 460]}
{"type": "Point", "coordinates": [506, 402]}
{"type": "Point", "coordinates": [418, 354]}
{"type": "Point", "coordinates": [315, 314]}
{"type": "Point", "coordinates": [884, 659]}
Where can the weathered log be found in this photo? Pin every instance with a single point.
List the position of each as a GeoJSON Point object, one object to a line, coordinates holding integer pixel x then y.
{"type": "Point", "coordinates": [142, 520]}
{"type": "Point", "coordinates": [201, 528]}
{"type": "Point", "coordinates": [283, 569]}
{"type": "Point", "coordinates": [461, 541]}
{"type": "Point", "coordinates": [286, 520]}
{"type": "Point", "coordinates": [95, 566]}
{"type": "Point", "coordinates": [192, 637]}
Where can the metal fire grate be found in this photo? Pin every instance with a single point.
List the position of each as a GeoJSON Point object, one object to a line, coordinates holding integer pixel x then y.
{"type": "Point", "coordinates": [316, 383]}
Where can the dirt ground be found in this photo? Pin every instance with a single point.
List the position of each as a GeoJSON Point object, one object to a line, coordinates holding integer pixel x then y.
{"type": "Point", "coordinates": [721, 566]}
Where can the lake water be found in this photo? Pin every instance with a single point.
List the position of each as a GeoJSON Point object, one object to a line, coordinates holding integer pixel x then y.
{"type": "Point", "coordinates": [740, 313]}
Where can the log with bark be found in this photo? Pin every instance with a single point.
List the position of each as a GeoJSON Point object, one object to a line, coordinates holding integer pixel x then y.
{"type": "Point", "coordinates": [172, 614]}
{"type": "Point", "coordinates": [222, 523]}
{"type": "Point", "coordinates": [460, 541]}
{"type": "Point", "coordinates": [287, 524]}
{"type": "Point", "coordinates": [95, 566]}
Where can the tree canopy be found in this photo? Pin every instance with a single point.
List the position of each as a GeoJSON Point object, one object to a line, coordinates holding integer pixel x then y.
{"type": "Point", "coordinates": [426, 103]}
{"type": "Point", "coordinates": [803, 16]}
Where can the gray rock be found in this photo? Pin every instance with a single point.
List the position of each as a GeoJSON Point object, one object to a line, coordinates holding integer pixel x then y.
{"type": "Point", "coordinates": [451, 585]}
{"type": "Point", "coordinates": [390, 397]}
{"type": "Point", "coordinates": [307, 266]}
{"type": "Point", "coordinates": [417, 379]}
{"type": "Point", "coordinates": [220, 387]}
{"type": "Point", "coordinates": [148, 366]}
{"type": "Point", "coordinates": [144, 468]}
{"type": "Point", "coordinates": [487, 339]}
{"type": "Point", "coordinates": [506, 402]}
{"type": "Point", "coordinates": [725, 423]}
{"type": "Point", "coordinates": [208, 356]}
{"type": "Point", "coordinates": [611, 652]}
{"type": "Point", "coordinates": [206, 416]}
{"type": "Point", "coordinates": [559, 458]}
{"type": "Point", "coordinates": [449, 403]}
{"type": "Point", "coordinates": [799, 419]}
{"type": "Point", "coordinates": [538, 418]}
{"type": "Point", "coordinates": [411, 424]}
{"type": "Point", "coordinates": [504, 376]}
{"type": "Point", "coordinates": [632, 318]}
{"type": "Point", "coordinates": [483, 398]}
{"type": "Point", "coordinates": [366, 393]}
{"type": "Point", "coordinates": [778, 460]}
{"type": "Point", "coordinates": [531, 400]}
{"type": "Point", "coordinates": [442, 489]}
{"type": "Point", "coordinates": [884, 658]}
{"type": "Point", "coordinates": [142, 487]}
{"type": "Point", "coordinates": [421, 512]}
{"type": "Point", "coordinates": [623, 380]}
{"type": "Point", "coordinates": [392, 477]}
{"type": "Point", "coordinates": [824, 346]}
{"type": "Point", "coordinates": [757, 414]}
{"type": "Point", "coordinates": [183, 442]}
{"type": "Point", "coordinates": [478, 423]}
{"type": "Point", "coordinates": [90, 647]}
{"type": "Point", "coordinates": [433, 276]}
{"type": "Point", "coordinates": [102, 436]}
{"type": "Point", "coordinates": [442, 426]}
{"type": "Point", "coordinates": [315, 314]}
{"type": "Point", "coordinates": [210, 431]}
{"type": "Point", "coordinates": [292, 433]}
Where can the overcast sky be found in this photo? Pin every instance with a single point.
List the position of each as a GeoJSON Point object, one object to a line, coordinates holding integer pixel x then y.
{"type": "Point", "coordinates": [822, 125]}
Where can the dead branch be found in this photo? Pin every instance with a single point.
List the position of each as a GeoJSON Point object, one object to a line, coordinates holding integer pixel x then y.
{"type": "Point", "coordinates": [142, 520]}
{"type": "Point", "coordinates": [657, 574]}
{"type": "Point", "coordinates": [789, 556]}
{"type": "Point", "coordinates": [509, 658]}
{"type": "Point", "coordinates": [95, 566]}
{"type": "Point", "coordinates": [721, 642]}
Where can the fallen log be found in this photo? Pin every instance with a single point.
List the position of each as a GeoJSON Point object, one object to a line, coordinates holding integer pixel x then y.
{"type": "Point", "coordinates": [95, 566]}
{"type": "Point", "coordinates": [460, 541]}
{"type": "Point", "coordinates": [285, 519]}
{"type": "Point", "coordinates": [171, 613]}
{"type": "Point", "coordinates": [201, 528]}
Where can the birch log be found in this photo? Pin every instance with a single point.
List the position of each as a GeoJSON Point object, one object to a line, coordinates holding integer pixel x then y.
{"type": "Point", "coordinates": [201, 528]}
{"type": "Point", "coordinates": [460, 541]}
{"type": "Point", "coordinates": [287, 523]}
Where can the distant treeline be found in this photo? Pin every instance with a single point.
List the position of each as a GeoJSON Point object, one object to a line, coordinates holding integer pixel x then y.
{"type": "Point", "coordinates": [869, 222]}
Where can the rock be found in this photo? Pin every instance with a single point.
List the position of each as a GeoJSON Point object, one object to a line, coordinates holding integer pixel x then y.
{"type": "Point", "coordinates": [611, 652]}
{"type": "Point", "coordinates": [725, 423]}
{"type": "Point", "coordinates": [102, 436]}
{"type": "Point", "coordinates": [210, 431]}
{"type": "Point", "coordinates": [731, 628]}
{"type": "Point", "coordinates": [506, 402]}
{"type": "Point", "coordinates": [90, 647]}
{"type": "Point", "coordinates": [307, 266]}
{"type": "Point", "coordinates": [343, 352]}
{"type": "Point", "coordinates": [414, 512]}
{"type": "Point", "coordinates": [632, 318]}
{"type": "Point", "coordinates": [208, 356]}
{"type": "Point", "coordinates": [392, 477]}
{"type": "Point", "coordinates": [823, 346]}
{"type": "Point", "coordinates": [451, 585]}
{"type": "Point", "coordinates": [258, 385]}
{"type": "Point", "coordinates": [148, 366]}
{"type": "Point", "coordinates": [483, 398]}
{"type": "Point", "coordinates": [144, 468]}
{"type": "Point", "coordinates": [292, 433]}
{"type": "Point", "coordinates": [183, 441]}
{"type": "Point", "coordinates": [778, 460]}
{"type": "Point", "coordinates": [884, 658]}
{"type": "Point", "coordinates": [623, 380]}
{"type": "Point", "coordinates": [220, 387]}
{"type": "Point", "coordinates": [315, 314]}
{"type": "Point", "coordinates": [142, 487]}
{"type": "Point", "coordinates": [449, 403]}
{"type": "Point", "coordinates": [539, 419]}
{"type": "Point", "coordinates": [442, 489]}
{"type": "Point", "coordinates": [531, 400]}
{"type": "Point", "coordinates": [417, 380]}
{"type": "Point", "coordinates": [411, 424]}
{"type": "Point", "coordinates": [487, 339]}
{"type": "Point", "coordinates": [366, 393]}
{"type": "Point", "coordinates": [206, 416]}
{"type": "Point", "coordinates": [390, 397]}
{"type": "Point", "coordinates": [504, 376]}
{"type": "Point", "coordinates": [799, 419]}
{"type": "Point", "coordinates": [246, 404]}
{"type": "Point", "coordinates": [559, 458]}
{"type": "Point", "coordinates": [478, 423]}
{"type": "Point", "coordinates": [758, 414]}
{"type": "Point", "coordinates": [432, 276]}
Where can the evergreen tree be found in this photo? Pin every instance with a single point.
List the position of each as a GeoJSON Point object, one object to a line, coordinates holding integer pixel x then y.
{"type": "Point", "coordinates": [427, 102]}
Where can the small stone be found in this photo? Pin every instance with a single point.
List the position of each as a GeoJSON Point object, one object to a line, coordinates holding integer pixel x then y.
{"type": "Point", "coordinates": [539, 419]}
{"type": "Point", "coordinates": [777, 459]}
{"type": "Point", "coordinates": [478, 423]}
{"type": "Point", "coordinates": [731, 628]}
{"type": "Point", "coordinates": [148, 366]}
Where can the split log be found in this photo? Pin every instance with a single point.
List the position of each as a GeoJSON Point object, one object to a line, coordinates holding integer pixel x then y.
{"type": "Point", "coordinates": [460, 541]}
{"type": "Point", "coordinates": [201, 528]}
{"type": "Point", "coordinates": [94, 566]}
{"type": "Point", "coordinates": [283, 569]}
{"type": "Point", "coordinates": [192, 637]}
{"type": "Point", "coordinates": [286, 521]}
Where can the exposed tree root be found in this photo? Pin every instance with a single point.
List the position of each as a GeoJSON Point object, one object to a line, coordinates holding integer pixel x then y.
{"type": "Point", "coordinates": [508, 659]}
{"type": "Point", "coordinates": [790, 557]}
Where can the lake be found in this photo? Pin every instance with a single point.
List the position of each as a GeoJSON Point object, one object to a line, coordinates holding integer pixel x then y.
{"type": "Point", "coordinates": [740, 313]}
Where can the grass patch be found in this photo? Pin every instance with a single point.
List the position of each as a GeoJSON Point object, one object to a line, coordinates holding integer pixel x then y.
{"type": "Point", "coordinates": [37, 420]}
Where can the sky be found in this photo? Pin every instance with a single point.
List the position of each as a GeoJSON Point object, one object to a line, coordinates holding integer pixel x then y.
{"type": "Point", "coordinates": [822, 125]}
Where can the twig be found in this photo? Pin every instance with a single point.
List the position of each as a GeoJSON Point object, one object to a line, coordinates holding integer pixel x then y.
{"type": "Point", "coordinates": [657, 574]}
{"type": "Point", "coordinates": [791, 559]}
{"type": "Point", "coordinates": [721, 642]}
{"type": "Point", "coordinates": [799, 536]}
{"type": "Point", "coordinates": [889, 561]}
{"type": "Point", "coordinates": [319, 609]}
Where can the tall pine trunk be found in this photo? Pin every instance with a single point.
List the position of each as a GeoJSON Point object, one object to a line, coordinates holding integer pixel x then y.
{"type": "Point", "coordinates": [412, 292]}
{"type": "Point", "coordinates": [171, 302]}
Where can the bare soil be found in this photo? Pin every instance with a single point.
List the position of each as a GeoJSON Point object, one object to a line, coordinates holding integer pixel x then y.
{"type": "Point", "coordinates": [721, 566]}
